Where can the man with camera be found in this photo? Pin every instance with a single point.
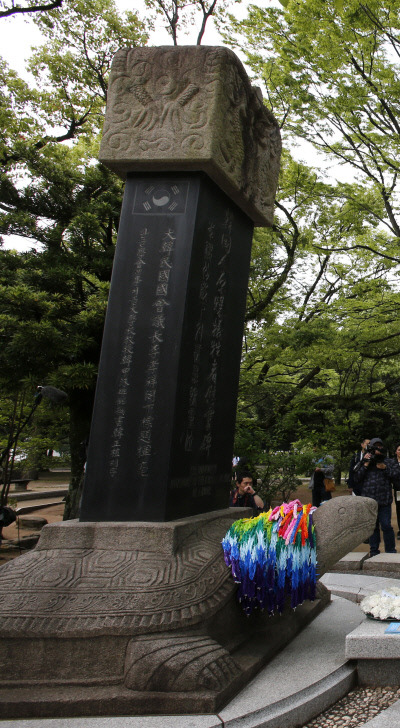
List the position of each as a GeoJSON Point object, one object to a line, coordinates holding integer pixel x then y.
{"type": "Point", "coordinates": [373, 478]}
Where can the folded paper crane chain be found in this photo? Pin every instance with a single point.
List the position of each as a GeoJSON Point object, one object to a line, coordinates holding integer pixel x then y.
{"type": "Point", "coordinates": [273, 556]}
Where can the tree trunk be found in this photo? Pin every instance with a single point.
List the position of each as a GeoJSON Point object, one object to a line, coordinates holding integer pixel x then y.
{"type": "Point", "coordinates": [338, 476]}
{"type": "Point", "coordinates": [81, 405]}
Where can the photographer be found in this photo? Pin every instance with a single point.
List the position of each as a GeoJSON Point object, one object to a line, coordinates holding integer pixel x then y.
{"type": "Point", "coordinates": [244, 494]}
{"type": "Point", "coordinates": [373, 478]}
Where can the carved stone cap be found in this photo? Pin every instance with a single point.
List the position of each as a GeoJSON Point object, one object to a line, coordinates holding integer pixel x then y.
{"type": "Point", "coordinates": [193, 108]}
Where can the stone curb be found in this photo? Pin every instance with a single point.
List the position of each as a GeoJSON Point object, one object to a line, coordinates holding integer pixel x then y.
{"type": "Point", "coordinates": [305, 705]}
{"type": "Point", "coordinates": [286, 713]}
{"type": "Point", "coordinates": [39, 494]}
{"type": "Point", "coordinates": [389, 718]}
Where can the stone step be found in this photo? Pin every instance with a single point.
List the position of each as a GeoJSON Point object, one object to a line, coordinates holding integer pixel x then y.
{"type": "Point", "coordinates": [382, 563]}
{"type": "Point", "coordinates": [41, 494]}
{"type": "Point", "coordinates": [354, 561]}
{"type": "Point", "coordinates": [31, 507]}
{"type": "Point", "coordinates": [355, 587]}
{"type": "Point", "coordinates": [385, 564]}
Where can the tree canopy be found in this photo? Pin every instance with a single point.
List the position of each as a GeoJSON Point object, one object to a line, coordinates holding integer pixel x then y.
{"type": "Point", "coordinates": [322, 358]}
{"type": "Point", "coordinates": [53, 190]}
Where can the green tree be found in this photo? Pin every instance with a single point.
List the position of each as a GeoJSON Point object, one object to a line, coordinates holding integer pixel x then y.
{"type": "Point", "coordinates": [52, 190]}
{"type": "Point", "coordinates": [320, 358]}
{"type": "Point", "coordinates": [321, 364]}
{"type": "Point", "coordinates": [331, 75]}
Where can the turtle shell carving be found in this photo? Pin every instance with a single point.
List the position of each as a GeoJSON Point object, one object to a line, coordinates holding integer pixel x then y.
{"type": "Point", "coordinates": [134, 578]}
{"type": "Point", "coordinates": [115, 589]}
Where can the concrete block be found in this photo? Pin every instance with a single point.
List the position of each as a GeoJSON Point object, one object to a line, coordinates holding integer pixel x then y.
{"type": "Point", "coordinates": [369, 641]}
{"type": "Point", "coordinates": [351, 562]}
{"type": "Point", "coordinates": [383, 562]}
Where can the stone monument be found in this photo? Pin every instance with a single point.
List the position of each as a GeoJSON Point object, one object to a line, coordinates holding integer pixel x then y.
{"type": "Point", "coordinates": [201, 155]}
{"type": "Point", "coordinates": [131, 610]}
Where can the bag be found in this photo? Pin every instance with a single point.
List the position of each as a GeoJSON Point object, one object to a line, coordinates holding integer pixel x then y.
{"type": "Point", "coordinates": [329, 485]}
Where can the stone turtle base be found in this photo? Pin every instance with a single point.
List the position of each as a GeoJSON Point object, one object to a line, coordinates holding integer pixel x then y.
{"type": "Point", "coordinates": [71, 697]}
{"type": "Point", "coordinates": [117, 618]}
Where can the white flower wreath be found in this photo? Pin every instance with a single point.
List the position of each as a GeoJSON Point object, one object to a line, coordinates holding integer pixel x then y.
{"type": "Point", "coordinates": [383, 605]}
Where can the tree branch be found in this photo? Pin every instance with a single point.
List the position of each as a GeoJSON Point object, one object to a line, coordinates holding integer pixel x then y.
{"type": "Point", "coordinates": [33, 9]}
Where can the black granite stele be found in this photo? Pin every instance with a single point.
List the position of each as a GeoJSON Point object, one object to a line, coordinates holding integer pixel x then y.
{"type": "Point", "coordinates": [163, 422]}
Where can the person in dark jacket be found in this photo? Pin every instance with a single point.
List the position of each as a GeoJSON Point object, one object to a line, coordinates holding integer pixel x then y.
{"type": "Point", "coordinates": [324, 469]}
{"type": "Point", "coordinates": [244, 494]}
{"type": "Point", "coordinates": [373, 478]}
{"type": "Point", "coordinates": [357, 457]}
{"type": "Point", "coordinates": [396, 488]}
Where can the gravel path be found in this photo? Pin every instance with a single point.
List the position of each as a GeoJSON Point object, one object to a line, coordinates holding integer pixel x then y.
{"type": "Point", "coordinates": [356, 709]}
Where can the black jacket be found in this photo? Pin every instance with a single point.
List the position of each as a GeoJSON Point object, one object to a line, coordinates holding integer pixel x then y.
{"type": "Point", "coordinates": [353, 462]}
{"type": "Point", "coordinates": [375, 483]}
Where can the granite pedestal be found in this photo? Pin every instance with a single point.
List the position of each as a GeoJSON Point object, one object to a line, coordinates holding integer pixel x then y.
{"type": "Point", "coordinates": [305, 678]}
{"type": "Point", "coordinates": [377, 654]}
{"type": "Point", "coordinates": [142, 618]}
{"type": "Point", "coordinates": [139, 618]}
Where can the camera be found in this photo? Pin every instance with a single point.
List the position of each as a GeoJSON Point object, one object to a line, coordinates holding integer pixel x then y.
{"type": "Point", "coordinates": [376, 457]}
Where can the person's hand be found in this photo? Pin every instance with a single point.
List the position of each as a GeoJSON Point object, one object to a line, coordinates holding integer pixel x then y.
{"type": "Point", "coordinates": [249, 489]}
{"type": "Point", "coordinates": [366, 459]}
{"type": "Point", "coordinates": [381, 466]}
